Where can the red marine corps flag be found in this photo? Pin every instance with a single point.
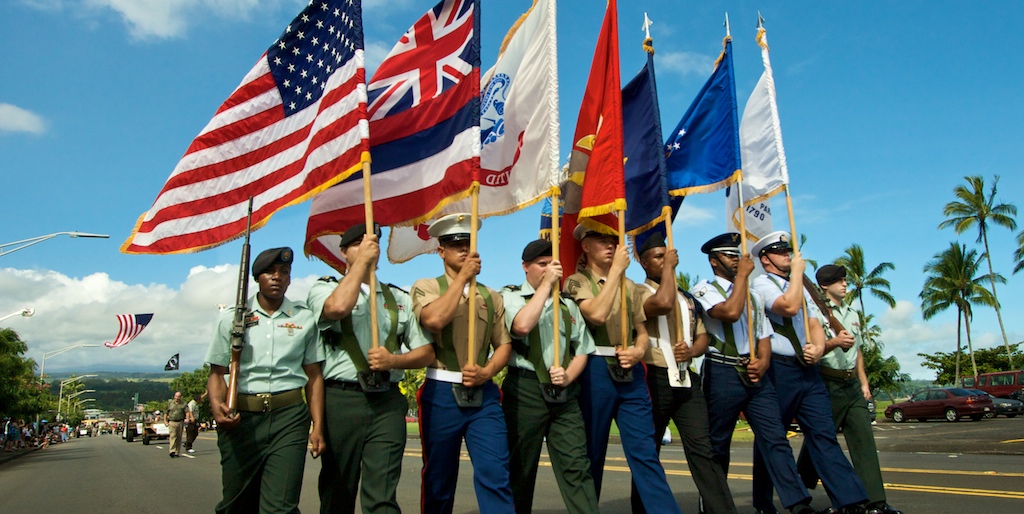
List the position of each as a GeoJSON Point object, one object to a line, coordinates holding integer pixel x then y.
{"type": "Point", "coordinates": [295, 126]}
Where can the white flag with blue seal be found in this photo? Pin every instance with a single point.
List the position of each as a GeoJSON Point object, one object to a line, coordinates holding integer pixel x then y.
{"type": "Point", "coordinates": [519, 123]}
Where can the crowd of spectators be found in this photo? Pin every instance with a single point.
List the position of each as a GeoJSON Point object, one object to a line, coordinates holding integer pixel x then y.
{"type": "Point", "coordinates": [19, 434]}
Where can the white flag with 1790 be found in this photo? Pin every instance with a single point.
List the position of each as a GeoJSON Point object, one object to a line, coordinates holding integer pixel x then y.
{"type": "Point", "coordinates": [518, 128]}
{"type": "Point", "coordinates": [764, 158]}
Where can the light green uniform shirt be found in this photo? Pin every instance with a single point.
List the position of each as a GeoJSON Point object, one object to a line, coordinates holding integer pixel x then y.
{"type": "Point", "coordinates": [582, 341]}
{"type": "Point", "coordinates": [338, 365]}
{"type": "Point", "coordinates": [837, 358]}
{"type": "Point", "coordinates": [276, 347]}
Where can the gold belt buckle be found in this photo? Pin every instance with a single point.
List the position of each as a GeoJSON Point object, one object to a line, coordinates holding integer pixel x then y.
{"type": "Point", "coordinates": [266, 400]}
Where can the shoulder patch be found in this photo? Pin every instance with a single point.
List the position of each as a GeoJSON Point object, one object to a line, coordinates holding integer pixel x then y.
{"type": "Point", "coordinates": [701, 292]}
{"type": "Point", "coordinates": [572, 286]}
{"type": "Point", "coordinates": [327, 278]}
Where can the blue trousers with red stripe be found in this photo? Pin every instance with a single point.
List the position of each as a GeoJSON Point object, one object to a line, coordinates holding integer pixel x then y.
{"type": "Point", "coordinates": [443, 425]}
{"type": "Point", "coordinates": [629, 404]}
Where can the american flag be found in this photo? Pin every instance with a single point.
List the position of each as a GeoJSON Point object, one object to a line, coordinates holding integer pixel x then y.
{"type": "Point", "coordinates": [295, 126]}
{"type": "Point", "coordinates": [424, 109]}
{"type": "Point", "coordinates": [131, 327]}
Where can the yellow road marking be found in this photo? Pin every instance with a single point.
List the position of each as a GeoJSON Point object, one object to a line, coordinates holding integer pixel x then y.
{"type": "Point", "coordinates": [1013, 441]}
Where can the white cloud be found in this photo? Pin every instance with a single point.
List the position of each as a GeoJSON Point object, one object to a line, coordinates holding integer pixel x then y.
{"type": "Point", "coordinates": [374, 53]}
{"type": "Point", "coordinates": [16, 119]}
{"type": "Point", "coordinates": [71, 311]}
{"type": "Point", "coordinates": [694, 216]}
{"type": "Point", "coordinates": [686, 63]}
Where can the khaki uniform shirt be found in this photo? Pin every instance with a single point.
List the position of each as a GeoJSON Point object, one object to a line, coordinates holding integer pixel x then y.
{"type": "Point", "coordinates": [837, 358]}
{"type": "Point", "coordinates": [578, 286]}
{"type": "Point", "coordinates": [653, 355]}
{"type": "Point", "coordinates": [338, 365]}
{"type": "Point", "coordinates": [579, 336]}
{"type": "Point", "coordinates": [276, 347]}
{"type": "Point", "coordinates": [176, 410]}
{"type": "Point", "coordinates": [426, 290]}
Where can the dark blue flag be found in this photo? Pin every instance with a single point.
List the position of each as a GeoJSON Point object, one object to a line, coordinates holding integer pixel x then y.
{"type": "Point", "coordinates": [703, 152]}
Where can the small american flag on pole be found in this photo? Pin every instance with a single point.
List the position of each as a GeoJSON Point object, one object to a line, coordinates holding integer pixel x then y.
{"type": "Point", "coordinates": [131, 327]}
{"type": "Point", "coordinates": [295, 126]}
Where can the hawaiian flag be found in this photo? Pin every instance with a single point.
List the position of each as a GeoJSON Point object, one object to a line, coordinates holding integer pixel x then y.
{"type": "Point", "coordinates": [131, 326]}
{"type": "Point", "coordinates": [295, 126]}
{"type": "Point", "coordinates": [596, 186]}
{"type": "Point", "coordinates": [424, 109]}
{"type": "Point", "coordinates": [519, 159]}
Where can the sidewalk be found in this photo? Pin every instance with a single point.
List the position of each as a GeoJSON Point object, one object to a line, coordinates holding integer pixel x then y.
{"type": "Point", "coordinates": [6, 457]}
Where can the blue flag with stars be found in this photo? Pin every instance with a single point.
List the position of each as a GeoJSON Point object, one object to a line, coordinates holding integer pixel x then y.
{"type": "Point", "coordinates": [703, 152]}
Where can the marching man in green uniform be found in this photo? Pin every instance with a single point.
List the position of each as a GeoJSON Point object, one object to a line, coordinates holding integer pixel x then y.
{"type": "Point", "coordinates": [842, 369]}
{"type": "Point", "coordinates": [263, 445]}
{"type": "Point", "coordinates": [365, 431]}
{"type": "Point", "coordinates": [458, 399]}
{"type": "Point", "coordinates": [540, 391]}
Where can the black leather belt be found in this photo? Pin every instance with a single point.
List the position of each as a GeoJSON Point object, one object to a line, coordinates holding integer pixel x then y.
{"type": "Point", "coordinates": [785, 358]}
{"type": "Point", "coordinates": [343, 385]}
{"type": "Point", "coordinates": [728, 360]}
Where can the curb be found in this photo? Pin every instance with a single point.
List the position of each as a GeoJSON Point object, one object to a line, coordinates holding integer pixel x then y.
{"type": "Point", "coordinates": [6, 457]}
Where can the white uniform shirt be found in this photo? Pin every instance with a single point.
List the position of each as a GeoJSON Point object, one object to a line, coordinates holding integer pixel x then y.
{"type": "Point", "coordinates": [708, 296]}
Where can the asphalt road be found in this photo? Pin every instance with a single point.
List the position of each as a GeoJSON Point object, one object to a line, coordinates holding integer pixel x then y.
{"type": "Point", "coordinates": [933, 467]}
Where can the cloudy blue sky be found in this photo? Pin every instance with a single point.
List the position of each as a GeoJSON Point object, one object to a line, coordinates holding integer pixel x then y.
{"type": "Point", "coordinates": [885, 107]}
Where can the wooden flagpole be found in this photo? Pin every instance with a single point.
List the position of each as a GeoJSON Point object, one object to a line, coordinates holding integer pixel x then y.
{"type": "Point", "coordinates": [622, 283]}
{"type": "Point", "coordinates": [556, 316]}
{"type": "Point", "coordinates": [368, 209]}
{"type": "Point", "coordinates": [677, 319]}
{"type": "Point", "coordinates": [796, 250]}
{"type": "Point", "coordinates": [474, 220]}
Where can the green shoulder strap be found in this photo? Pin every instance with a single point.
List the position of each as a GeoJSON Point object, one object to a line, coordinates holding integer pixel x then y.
{"type": "Point", "coordinates": [350, 343]}
{"type": "Point", "coordinates": [727, 347]}
{"type": "Point", "coordinates": [535, 354]}
{"type": "Point", "coordinates": [600, 332]}
{"type": "Point", "coordinates": [446, 349]}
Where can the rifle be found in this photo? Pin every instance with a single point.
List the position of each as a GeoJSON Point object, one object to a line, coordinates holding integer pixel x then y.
{"type": "Point", "coordinates": [238, 326]}
{"type": "Point", "coordinates": [819, 300]}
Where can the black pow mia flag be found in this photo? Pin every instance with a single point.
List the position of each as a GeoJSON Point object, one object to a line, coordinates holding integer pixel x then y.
{"type": "Point", "coordinates": [172, 363]}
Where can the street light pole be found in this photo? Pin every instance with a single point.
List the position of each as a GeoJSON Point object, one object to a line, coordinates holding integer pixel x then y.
{"type": "Point", "coordinates": [60, 397]}
{"type": "Point", "coordinates": [70, 396]}
{"type": "Point", "coordinates": [47, 355]}
{"type": "Point", "coordinates": [27, 313]}
{"type": "Point", "coordinates": [25, 243]}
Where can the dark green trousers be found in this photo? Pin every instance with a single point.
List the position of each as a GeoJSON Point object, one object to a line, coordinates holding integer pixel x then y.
{"type": "Point", "coordinates": [365, 436]}
{"type": "Point", "coordinates": [262, 461]}
{"type": "Point", "coordinates": [529, 420]}
{"type": "Point", "coordinates": [850, 414]}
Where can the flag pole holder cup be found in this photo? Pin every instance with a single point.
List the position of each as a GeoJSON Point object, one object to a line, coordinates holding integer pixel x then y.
{"type": "Point", "coordinates": [374, 381]}
{"type": "Point", "coordinates": [620, 374]}
{"type": "Point", "coordinates": [468, 396]}
{"type": "Point", "coordinates": [554, 394]}
{"type": "Point", "coordinates": [742, 370]}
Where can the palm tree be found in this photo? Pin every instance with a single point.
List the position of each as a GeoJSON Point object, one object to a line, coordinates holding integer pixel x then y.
{"type": "Point", "coordinates": [803, 242]}
{"type": "Point", "coordinates": [860, 280]}
{"type": "Point", "coordinates": [952, 282]}
{"type": "Point", "coordinates": [974, 208]}
{"type": "Point", "coordinates": [685, 281]}
{"type": "Point", "coordinates": [1018, 254]}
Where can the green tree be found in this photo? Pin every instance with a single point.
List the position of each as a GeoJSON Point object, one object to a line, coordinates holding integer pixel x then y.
{"type": "Point", "coordinates": [1018, 254]}
{"type": "Point", "coordinates": [989, 360]}
{"type": "Point", "coordinates": [21, 393]}
{"type": "Point", "coordinates": [860, 280]}
{"type": "Point", "coordinates": [952, 281]}
{"type": "Point", "coordinates": [974, 208]}
{"type": "Point", "coordinates": [883, 372]}
{"type": "Point", "coordinates": [192, 385]}
{"type": "Point", "coordinates": [685, 281]}
{"type": "Point", "coordinates": [803, 242]}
